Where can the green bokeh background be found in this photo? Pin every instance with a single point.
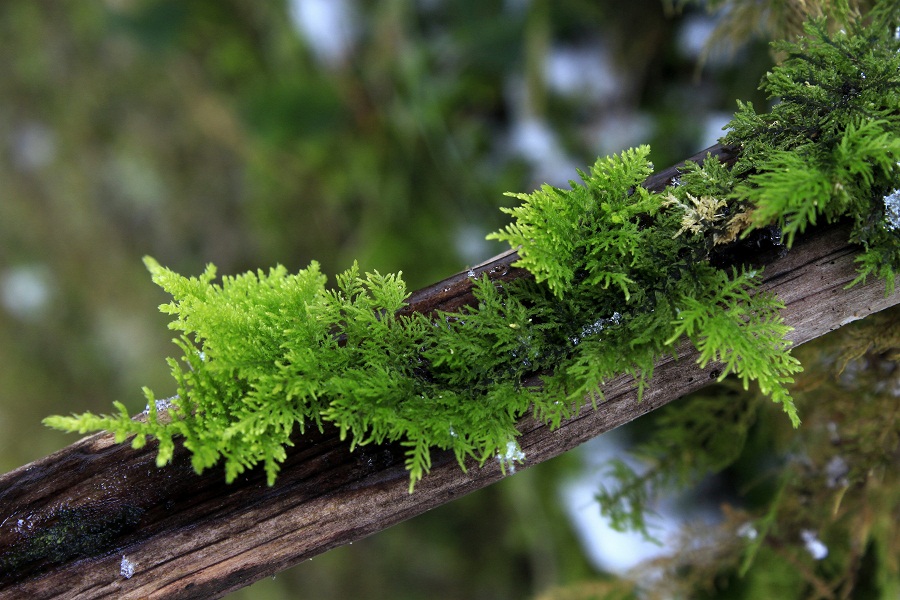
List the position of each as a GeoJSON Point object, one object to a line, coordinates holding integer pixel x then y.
{"type": "Point", "coordinates": [203, 131]}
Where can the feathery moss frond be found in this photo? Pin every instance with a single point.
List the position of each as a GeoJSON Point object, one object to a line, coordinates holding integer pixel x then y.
{"type": "Point", "coordinates": [620, 275]}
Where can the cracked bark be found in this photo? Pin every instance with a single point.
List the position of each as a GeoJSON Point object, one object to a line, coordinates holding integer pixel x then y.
{"type": "Point", "coordinates": [73, 524]}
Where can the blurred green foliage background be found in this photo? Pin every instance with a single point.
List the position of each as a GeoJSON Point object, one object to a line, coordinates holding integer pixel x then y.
{"type": "Point", "coordinates": [250, 133]}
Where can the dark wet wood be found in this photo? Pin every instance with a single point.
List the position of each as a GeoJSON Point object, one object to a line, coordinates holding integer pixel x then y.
{"type": "Point", "coordinates": [100, 520]}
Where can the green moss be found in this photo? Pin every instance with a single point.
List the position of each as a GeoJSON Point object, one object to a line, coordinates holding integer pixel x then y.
{"type": "Point", "coordinates": [829, 149]}
{"type": "Point", "coordinates": [620, 274]}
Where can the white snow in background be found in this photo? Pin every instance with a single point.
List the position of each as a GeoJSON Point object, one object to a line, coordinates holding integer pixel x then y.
{"type": "Point", "coordinates": [585, 72]}
{"type": "Point", "coordinates": [605, 547]}
{"type": "Point", "coordinates": [813, 544]}
{"type": "Point", "coordinates": [619, 129]}
{"type": "Point", "coordinates": [748, 531]}
{"type": "Point", "coordinates": [582, 71]}
{"type": "Point", "coordinates": [694, 34]}
{"type": "Point", "coordinates": [713, 128]}
{"type": "Point", "coordinates": [331, 27]}
{"type": "Point", "coordinates": [470, 243]}
{"type": "Point", "coordinates": [836, 472]}
{"type": "Point", "coordinates": [26, 290]}
{"type": "Point", "coordinates": [33, 146]}
{"type": "Point", "coordinates": [534, 140]}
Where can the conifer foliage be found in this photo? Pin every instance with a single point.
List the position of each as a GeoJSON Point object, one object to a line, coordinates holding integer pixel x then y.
{"type": "Point", "coordinates": [620, 274]}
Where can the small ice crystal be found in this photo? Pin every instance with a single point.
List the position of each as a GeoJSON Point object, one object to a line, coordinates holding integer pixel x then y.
{"type": "Point", "coordinates": [892, 210]}
{"type": "Point", "coordinates": [599, 325]}
{"type": "Point", "coordinates": [23, 526]}
{"type": "Point", "coordinates": [470, 273]}
{"type": "Point", "coordinates": [126, 568]}
{"type": "Point", "coordinates": [813, 544]}
{"type": "Point", "coordinates": [513, 455]}
{"type": "Point", "coordinates": [163, 404]}
{"type": "Point", "coordinates": [595, 327]}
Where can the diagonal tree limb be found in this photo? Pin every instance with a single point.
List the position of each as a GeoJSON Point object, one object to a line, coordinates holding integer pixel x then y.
{"type": "Point", "coordinates": [100, 520]}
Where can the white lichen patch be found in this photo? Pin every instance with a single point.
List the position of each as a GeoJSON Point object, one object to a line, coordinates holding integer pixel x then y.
{"type": "Point", "coordinates": [126, 568]}
{"type": "Point", "coordinates": [701, 214]}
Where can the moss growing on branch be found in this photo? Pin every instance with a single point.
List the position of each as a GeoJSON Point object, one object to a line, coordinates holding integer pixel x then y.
{"type": "Point", "coordinates": [620, 274]}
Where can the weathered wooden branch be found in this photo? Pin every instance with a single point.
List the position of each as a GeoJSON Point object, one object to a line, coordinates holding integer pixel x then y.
{"type": "Point", "coordinates": [100, 520]}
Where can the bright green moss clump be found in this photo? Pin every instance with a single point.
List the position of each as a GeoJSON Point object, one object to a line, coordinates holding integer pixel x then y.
{"type": "Point", "coordinates": [620, 274]}
{"type": "Point", "coordinates": [830, 148]}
